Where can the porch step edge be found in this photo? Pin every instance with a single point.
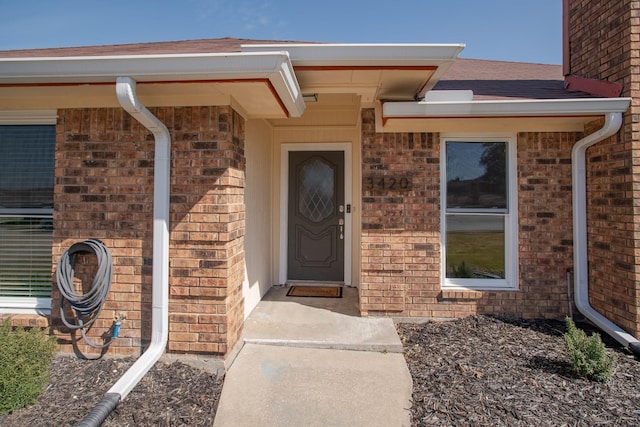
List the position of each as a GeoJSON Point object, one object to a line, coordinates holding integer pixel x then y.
{"type": "Point", "coordinates": [372, 347]}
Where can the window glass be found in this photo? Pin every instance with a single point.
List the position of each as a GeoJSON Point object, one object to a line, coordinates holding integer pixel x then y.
{"type": "Point", "coordinates": [26, 166]}
{"type": "Point", "coordinates": [476, 175]}
{"type": "Point", "coordinates": [475, 246]}
{"type": "Point", "coordinates": [25, 256]}
{"type": "Point", "coordinates": [26, 206]}
{"type": "Point", "coordinates": [317, 190]}
{"type": "Point", "coordinates": [480, 215]}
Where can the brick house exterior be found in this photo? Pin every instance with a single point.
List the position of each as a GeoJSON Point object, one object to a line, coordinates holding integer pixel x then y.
{"type": "Point", "coordinates": [613, 172]}
{"type": "Point", "coordinates": [232, 129]}
{"type": "Point", "coordinates": [401, 247]}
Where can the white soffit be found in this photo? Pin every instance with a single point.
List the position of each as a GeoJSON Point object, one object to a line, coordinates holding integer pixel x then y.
{"type": "Point", "coordinates": [374, 71]}
{"type": "Point", "coordinates": [272, 67]}
{"type": "Point", "coordinates": [504, 115]}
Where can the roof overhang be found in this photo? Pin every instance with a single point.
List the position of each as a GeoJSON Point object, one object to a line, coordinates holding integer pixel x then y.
{"type": "Point", "coordinates": [260, 84]}
{"type": "Point", "coordinates": [375, 72]}
{"type": "Point", "coordinates": [496, 115]}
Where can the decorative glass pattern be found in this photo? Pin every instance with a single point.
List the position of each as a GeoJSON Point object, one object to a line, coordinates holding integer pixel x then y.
{"type": "Point", "coordinates": [317, 190]}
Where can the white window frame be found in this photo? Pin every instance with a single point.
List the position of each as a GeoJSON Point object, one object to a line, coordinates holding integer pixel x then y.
{"type": "Point", "coordinates": [510, 282]}
{"type": "Point", "coordinates": [25, 305]}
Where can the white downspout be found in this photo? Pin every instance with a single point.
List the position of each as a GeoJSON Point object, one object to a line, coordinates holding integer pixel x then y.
{"type": "Point", "coordinates": [125, 91]}
{"type": "Point", "coordinates": [612, 124]}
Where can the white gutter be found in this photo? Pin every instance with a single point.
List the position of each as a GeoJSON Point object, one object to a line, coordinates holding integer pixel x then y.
{"type": "Point", "coordinates": [125, 91]}
{"type": "Point", "coordinates": [613, 121]}
{"type": "Point", "coordinates": [363, 54]}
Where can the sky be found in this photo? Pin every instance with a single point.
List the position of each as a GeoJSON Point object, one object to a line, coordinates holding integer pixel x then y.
{"type": "Point", "coordinates": [506, 30]}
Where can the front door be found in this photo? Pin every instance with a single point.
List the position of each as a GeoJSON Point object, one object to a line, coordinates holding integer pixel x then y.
{"type": "Point", "coordinates": [316, 216]}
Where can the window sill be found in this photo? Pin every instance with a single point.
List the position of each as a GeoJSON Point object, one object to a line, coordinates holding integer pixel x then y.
{"type": "Point", "coordinates": [478, 285]}
{"type": "Point", "coordinates": [26, 306]}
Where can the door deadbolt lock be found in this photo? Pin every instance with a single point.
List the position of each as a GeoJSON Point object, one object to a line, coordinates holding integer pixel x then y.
{"type": "Point", "coordinates": [341, 208]}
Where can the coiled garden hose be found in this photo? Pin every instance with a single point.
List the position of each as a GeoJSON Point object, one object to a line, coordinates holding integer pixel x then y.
{"type": "Point", "coordinates": [87, 306]}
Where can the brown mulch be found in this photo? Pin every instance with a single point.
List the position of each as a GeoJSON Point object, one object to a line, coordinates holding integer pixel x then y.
{"type": "Point", "coordinates": [485, 371]}
{"type": "Point", "coordinates": [170, 394]}
{"type": "Point", "coordinates": [478, 371]}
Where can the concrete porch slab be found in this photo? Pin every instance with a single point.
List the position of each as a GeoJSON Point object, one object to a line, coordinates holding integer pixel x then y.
{"type": "Point", "coordinates": [329, 323]}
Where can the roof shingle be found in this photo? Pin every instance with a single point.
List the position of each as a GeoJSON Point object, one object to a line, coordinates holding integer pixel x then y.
{"type": "Point", "coordinates": [493, 80]}
{"type": "Point", "coordinates": [489, 80]}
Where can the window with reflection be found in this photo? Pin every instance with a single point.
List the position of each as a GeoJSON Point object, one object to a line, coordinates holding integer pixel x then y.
{"type": "Point", "coordinates": [477, 226]}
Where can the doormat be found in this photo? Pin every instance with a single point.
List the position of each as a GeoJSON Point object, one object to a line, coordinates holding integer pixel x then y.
{"type": "Point", "coordinates": [315, 291]}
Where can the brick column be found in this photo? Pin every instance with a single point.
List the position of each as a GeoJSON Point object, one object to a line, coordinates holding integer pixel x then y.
{"type": "Point", "coordinates": [207, 215]}
{"type": "Point", "coordinates": [400, 230]}
{"type": "Point", "coordinates": [104, 189]}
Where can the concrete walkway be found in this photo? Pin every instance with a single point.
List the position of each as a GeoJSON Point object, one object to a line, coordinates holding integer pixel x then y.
{"type": "Point", "coordinates": [315, 362]}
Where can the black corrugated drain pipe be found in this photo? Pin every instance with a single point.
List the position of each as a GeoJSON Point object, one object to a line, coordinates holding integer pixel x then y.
{"type": "Point", "coordinates": [101, 411]}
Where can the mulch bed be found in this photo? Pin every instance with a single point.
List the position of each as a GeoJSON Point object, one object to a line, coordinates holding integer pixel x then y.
{"type": "Point", "coordinates": [172, 394]}
{"type": "Point", "coordinates": [478, 371]}
{"type": "Point", "coordinates": [484, 371]}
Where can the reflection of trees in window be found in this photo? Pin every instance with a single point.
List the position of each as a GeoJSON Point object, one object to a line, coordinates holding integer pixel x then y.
{"type": "Point", "coordinates": [486, 168]}
{"type": "Point", "coordinates": [494, 160]}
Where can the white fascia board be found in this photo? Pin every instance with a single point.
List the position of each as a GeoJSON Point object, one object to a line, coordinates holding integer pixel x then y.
{"type": "Point", "coordinates": [363, 54]}
{"type": "Point", "coordinates": [505, 108]}
{"type": "Point", "coordinates": [274, 66]}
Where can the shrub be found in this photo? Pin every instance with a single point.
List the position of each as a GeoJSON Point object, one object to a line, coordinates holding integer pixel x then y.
{"type": "Point", "coordinates": [587, 354]}
{"type": "Point", "coordinates": [25, 359]}
{"type": "Point", "coordinates": [462, 270]}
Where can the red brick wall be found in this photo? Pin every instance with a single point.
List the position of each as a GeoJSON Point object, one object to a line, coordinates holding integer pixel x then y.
{"type": "Point", "coordinates": [600, 42]}
{"type": "Point", "coordinates": [104, 189]}
{"type": "Point", "coordinates": [603, 44]}
{"type": "Point", "coordinates": [545, 231]}
{"type": "Point", "coordinates": [401, 231]}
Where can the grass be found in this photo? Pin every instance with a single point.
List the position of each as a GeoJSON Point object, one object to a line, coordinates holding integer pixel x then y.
{"type": "Point", "coordinates": [480, 251]}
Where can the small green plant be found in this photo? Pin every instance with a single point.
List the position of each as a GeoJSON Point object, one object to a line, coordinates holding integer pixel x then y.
{"type": "Point", "coordinates": [587, 354]}
{"type": "Point", "coordinates": [462, 270]}
{"type": "Point", "coordinates": [25, 359]}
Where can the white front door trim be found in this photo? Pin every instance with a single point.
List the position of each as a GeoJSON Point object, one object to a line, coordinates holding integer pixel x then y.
{"type": "Point", "coordinates": [284, 200]}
